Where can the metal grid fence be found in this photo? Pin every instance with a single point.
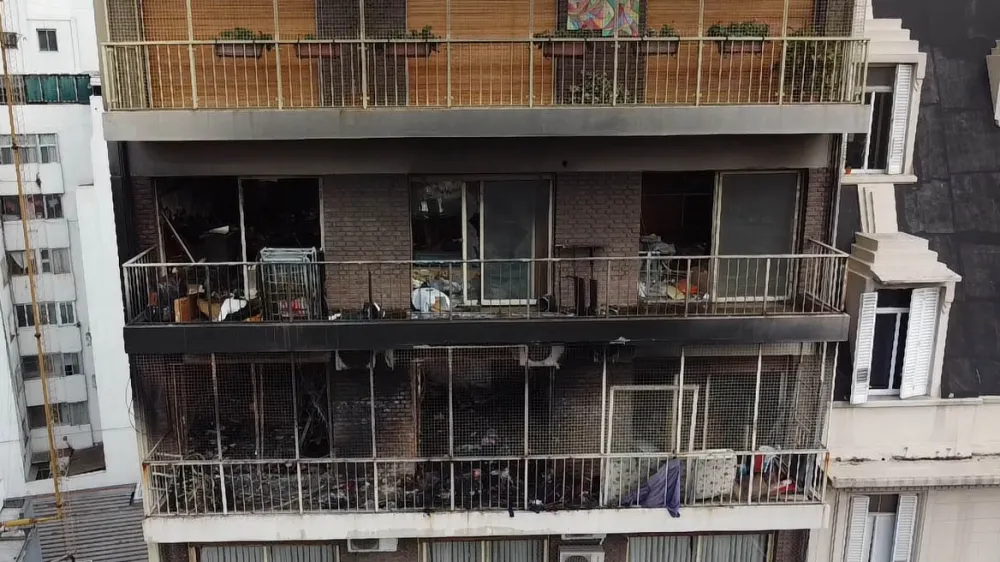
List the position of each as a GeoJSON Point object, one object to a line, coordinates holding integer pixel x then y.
{"type": "Point", "coordinates": [479, 428]}
{"type": "Point", "coordinates": [183, 54]}
{"type": "Point", "coordinates": [663, 286]}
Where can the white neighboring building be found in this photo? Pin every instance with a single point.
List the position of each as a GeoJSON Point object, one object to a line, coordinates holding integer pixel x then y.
{"type": "Point", "coordinates": [52, 51]}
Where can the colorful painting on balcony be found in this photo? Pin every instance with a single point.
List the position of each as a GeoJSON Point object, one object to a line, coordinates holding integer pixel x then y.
{"type": "Point", "coordinates": [604, 16]}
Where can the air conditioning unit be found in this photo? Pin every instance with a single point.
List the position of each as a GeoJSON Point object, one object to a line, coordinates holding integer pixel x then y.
{"type": "Point", "coordinates": [354, 359]}
{"type": "Point", "coordinates": [372, 545]}
{"type": "Point", "coordinates": [530, 359]}
{"type": "Point", "coordinates": [584, 537]}
{"type": "Point", "coordinates": [581, 553]}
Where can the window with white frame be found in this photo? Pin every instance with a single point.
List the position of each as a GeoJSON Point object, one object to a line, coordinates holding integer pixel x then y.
{"type": "Point", "coordinates": [49, 314]}
{"type": "Point", "coordinates": [50, 260]}
{"type": "Point", "coordinates": [894, 344]}
{"type": "Point", "coordinates": [882, 149]}
{"type": "Point", "coordinates": [47, 206]}
{"type": "Point", "coordinates": [33, 148]}
{"type": "Point", "coordinates": [881, 528]}
{"type": "Point", "coordinates": [273, 553]}
{"type": "Point", "coordinates": [47, 40]}
{"type": "Point", "coordinates": [56, 365]}
{"type": "Point", "coordinates": [63, 413]}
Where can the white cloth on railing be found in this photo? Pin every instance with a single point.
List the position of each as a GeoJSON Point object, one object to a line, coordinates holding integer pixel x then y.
{"type": "Point", "coordinates": [429, 299]}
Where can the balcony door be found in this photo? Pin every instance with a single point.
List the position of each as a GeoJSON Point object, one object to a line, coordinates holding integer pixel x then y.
{"type": "Point", "coordinates": [756, 216]}
{"type": "Point", "coordinates": [511, 213]}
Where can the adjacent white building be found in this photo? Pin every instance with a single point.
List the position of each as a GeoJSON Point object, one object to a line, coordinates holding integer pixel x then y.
{"type": "Point", "coordinates": [52, 56]}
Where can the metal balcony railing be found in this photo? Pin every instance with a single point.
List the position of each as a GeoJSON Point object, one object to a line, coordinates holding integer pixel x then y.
{"type": "Point", "coordinates": [645, 286]}
{"type": "Point", "coordinates": [465, 73]}
{"type": "Point", "coordinates": [536, 483]}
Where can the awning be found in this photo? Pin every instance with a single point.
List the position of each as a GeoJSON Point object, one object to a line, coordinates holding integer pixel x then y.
{"type": "Point", "coordinates": [923, 473]}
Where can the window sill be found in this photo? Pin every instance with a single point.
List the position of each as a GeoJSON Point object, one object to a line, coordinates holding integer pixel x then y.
{"type": "Point", "coordinates": [922, 402]}
{"type": "Point", "coordinates": [859, 178]}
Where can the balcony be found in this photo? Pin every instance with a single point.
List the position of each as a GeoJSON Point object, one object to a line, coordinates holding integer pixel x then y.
{"type": "Point", "coordinates": [428, 435]}
{"type": "Point", "coordinates": [386, 304]}
{"type": "Point", "coordinates": [280, 55]}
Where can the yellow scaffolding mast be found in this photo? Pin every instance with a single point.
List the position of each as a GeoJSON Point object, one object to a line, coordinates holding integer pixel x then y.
{"type": "Point", "coordinates": [39, 344]}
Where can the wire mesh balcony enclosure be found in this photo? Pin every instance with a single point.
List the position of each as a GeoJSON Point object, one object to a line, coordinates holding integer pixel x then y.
{"type": "Point", "coordinates": [488, 428]}
{"type": "Point", "coordinates": [649, 285]}
{"type": "Point", "coordinates": [288, 54]}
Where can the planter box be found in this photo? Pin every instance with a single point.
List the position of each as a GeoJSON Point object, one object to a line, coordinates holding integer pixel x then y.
{"type": "Point", "coordinates": [552, 49]}
{"type": "Point", "coordinates": [410, 50]}
{"type": "Point", "coordinates": [239, 50]}
{"type": "Point", "coordinates": [740, 46]}
{"type": "Point", "coordinates": [662, 47]}
{"type": "Point", "coordinates": [317, 50]}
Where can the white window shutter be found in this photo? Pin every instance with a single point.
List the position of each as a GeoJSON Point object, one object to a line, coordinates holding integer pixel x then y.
{"type": "Point", "coordinates": [856, 529]}
{"type": "Point", "coordinates": [863, 348]}
{"type": "Point", "coordinates": [920, 337]}
{"type": "Point", "coordinates": [906, 524]}
{"type": "Point", "coordinates": [901, 93]}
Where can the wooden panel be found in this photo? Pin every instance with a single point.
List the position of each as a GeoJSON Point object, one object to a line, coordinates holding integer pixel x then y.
{"type": "Point", "coordinates": [228, 81]}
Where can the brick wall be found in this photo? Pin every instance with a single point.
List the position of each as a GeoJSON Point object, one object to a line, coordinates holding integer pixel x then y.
{"type": "Point", "coordinates": [816, 210]}
{"type": "Point", "coordinates": [601, 209]}
{"type": "Point", "coordinates": [144, 212]}
{"type": "Point", "coordinates": [367, 218]}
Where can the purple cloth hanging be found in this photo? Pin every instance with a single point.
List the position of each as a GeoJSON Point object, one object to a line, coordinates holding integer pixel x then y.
{"type": "Point", "coordinates": [662, 489]}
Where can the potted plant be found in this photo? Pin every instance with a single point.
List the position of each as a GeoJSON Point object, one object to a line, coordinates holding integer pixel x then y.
{"type": "Point", "coordinates": [664, 41]}
{"type": "Point", "coordinates": [241, 50]}
{"type": "Point", "coordinates": [814, 69]}
{"type": "Point", "coordinates": [740, 37]}
{"type": "Point", "coordinates": [312, 50]}
{"type": "Point", "coordinates": [411, 49]}
{"type": "Point", "coordinates": [596, 88]}
{"type": "Point", "coordinates": [550, 47]}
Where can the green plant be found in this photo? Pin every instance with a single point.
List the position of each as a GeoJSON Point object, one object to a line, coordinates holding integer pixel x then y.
{"type": "Point", "coordinates": [739, 29]}
{"type": "Point", "coordinates": [244, 34]}
{"type": "Point", "coordinates": [567, 34]}
{"type": "Point", "coordinates": [597, 89]}
{"type": "Point", "coordinates": [814, 69]}
{"type": "Point", "coordinates": [664, 31]}
{"type": "Point", "coordinates": [424, 34]}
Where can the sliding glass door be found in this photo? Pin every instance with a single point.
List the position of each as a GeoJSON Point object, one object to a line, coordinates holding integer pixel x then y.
{"type": "Point", "coordinates": [509, 217]}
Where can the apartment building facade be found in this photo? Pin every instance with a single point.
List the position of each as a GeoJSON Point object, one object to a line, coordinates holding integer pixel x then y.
{"type": "Point", "coordinates": [53, 63]}
{"type": "Point", "coordinates": [443, 280]}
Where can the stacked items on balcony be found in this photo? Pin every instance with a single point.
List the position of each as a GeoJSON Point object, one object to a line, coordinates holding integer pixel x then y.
{"type": "Point", "coordinates": [291, 287]}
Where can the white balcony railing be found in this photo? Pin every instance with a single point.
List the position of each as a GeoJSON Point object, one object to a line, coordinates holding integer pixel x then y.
{"type": "Point", "coordinates": [542, 483]}
{"type": "Point", "coordinates": [650, 286]}
{"type": "Point", "coordinates": [444, 73]}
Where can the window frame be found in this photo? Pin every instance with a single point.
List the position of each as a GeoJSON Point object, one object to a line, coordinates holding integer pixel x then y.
{"type": "Point", "coordinates": [862, 521]}
{"type": "Point", "coordinates": [898, 312]}
{"type": "Point", "coordinates": [48, 39]}
{"type": "Point", "coordinates": [872, 91]}
{"type": "Point", "coordinates": [30, 146]}
{"type": "Point", "coordinates": [49, 204]}
{"type": "Point", "coordinates": [923, 322]}
{"type": "Point", "coordinates": [898, 136]}
{"type": "Point", "coordinates": [50, 313]}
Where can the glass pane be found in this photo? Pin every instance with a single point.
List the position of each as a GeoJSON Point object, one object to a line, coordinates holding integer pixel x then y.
{"type": "Point", "coordinates": [509, 235]}
{"type": "Point", "coordinates": [33, 89]}
{"type": "Point", "coordinates": [885, 332]}
{"type": "Point", "coordinates": [83, 88]}
{"type": "Point", "coordinates": [67, 89]}
{"type": "Point", "coordinates": [50, 88]}
{"type": "Point", "coordinates": [878, 152]}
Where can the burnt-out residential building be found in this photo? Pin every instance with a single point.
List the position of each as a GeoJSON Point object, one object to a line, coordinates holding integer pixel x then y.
{"type": "Point", "coordinates": [449, 280]}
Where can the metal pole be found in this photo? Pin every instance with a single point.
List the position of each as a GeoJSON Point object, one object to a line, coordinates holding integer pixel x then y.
{"type": "Point", "coordinates": [604, 409]}
{"type": "Point", "coordinates": [277, 55]}
{"type": "Point", "coordinates": [447, 7]}
{"type": "Point", "coordinates": [218, 434]}
{"type": "Point", "coordinates": [371, 402]}
{"type": "Point", "coordinates": [680, 403]}
{"type": "Point", "coordinates": [784, 53]}
{"type": "Point", "coordinates": [531, 53]}
{"type": "Point", "coordinates": [295, 433]}
{"type": "Point", "coordinates": [364, 54]}
{"type": "Point", "coordinates": [756, 399]}
{"type": "Point", "coordinates": [526, 375]}
{"type": "Point", "coordinates": [190, 31]}
{"type": "Point", "coordinates": [701, 51]}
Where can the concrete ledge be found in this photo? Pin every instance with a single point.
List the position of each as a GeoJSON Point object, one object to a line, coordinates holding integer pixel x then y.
{"type": "Point", "coordinates": [303, 124]}
{"type": "Point", "coordinates": [339, 526]}
{"type": "Point", "coordinates": [248, 337]}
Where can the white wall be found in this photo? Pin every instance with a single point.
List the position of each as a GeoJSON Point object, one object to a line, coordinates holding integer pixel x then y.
{"type": "Point", "coordinates": [928, 428]}
{"type": "Point", "coordinates": [961, 525]}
